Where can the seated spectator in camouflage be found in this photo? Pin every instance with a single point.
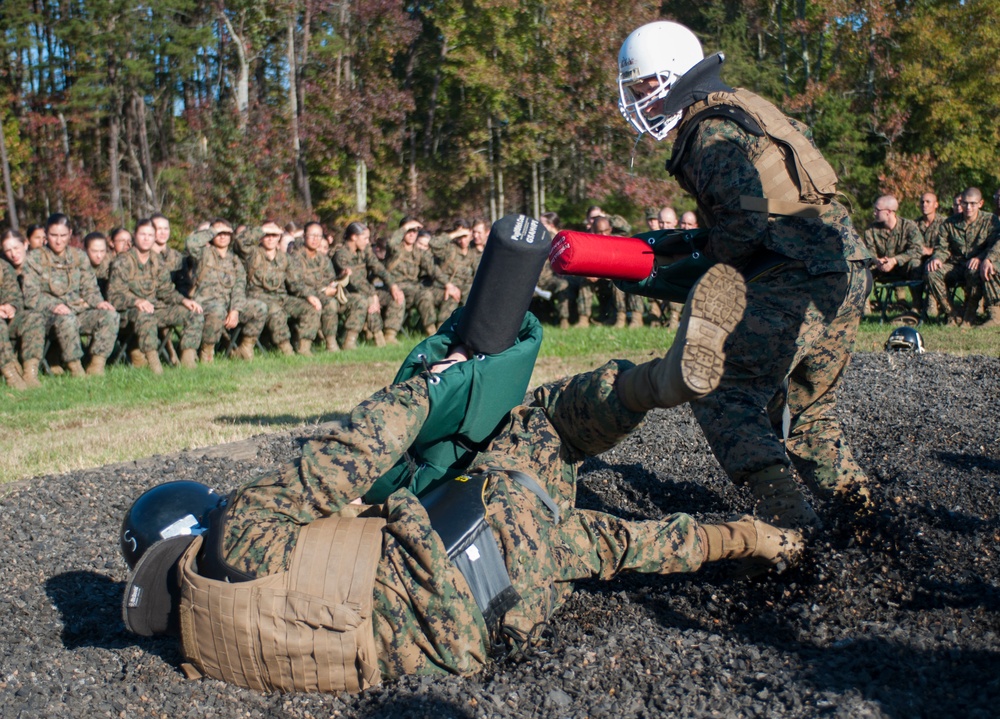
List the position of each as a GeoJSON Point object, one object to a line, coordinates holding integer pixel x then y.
{"type": "Point", "coordinates": [36, 237]}
{"type": "Point", "coordinates": [480, 234]}
{"type": "Point", "coordinates": [929, 222]}
{"type": "Point", "coordinates": [457, 262]}
{"type": "Point", "coordinates": [95, 245]}
{"type": "Point", "coordinates": [313, 279]}
{"type": "Point", "coordinates": [424, 241]}
{"type": "Point", "coordinates": [16, 324]}
{"type": "Point", "coordinates": [668, 219]}
{"type": "Point", "coordinates": [895, 242]}
{"type": "Point", "coordinates": [652, 219]}
{"type": "Point", "coordinates": [379, 308]}
{"type": "Point", "coordinates": [268, 280]}
{"type": "Point", "coordinates": [58, 283]}
{"type": "Point", "coordinates": [121, 241]}
{"type": "Point", "coordinates": [419, 277]}
{"type": "Point", "coordinates": [141, 289]}
{"type": "Point", "coordinates": [176, 263]}
{"type": "Point", "coordinates": [220, 287]}
{"type": "Point", "coordinates": [964, 243]}
{"type": "Point", "coordinates": [409, 223]}
{"type": "Point", "coordinates": [556, 286]}
{"type": "Point", "coordinates": [593, 212]}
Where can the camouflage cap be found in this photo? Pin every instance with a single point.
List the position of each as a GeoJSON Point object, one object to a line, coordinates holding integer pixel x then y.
{"type": "Point", "coordinates": [619, 225]}
{"type": "Point", "coordinates": [652, 213]}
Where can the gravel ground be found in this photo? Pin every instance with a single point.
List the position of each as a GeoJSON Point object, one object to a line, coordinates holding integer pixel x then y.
{"type": "Point", "coordinates": [896, 618]}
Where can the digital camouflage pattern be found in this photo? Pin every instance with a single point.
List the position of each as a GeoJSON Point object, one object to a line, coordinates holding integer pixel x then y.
{"type": "Point", "coordinates": [800, 322]}
{"type": "Point", "coordinates": [220, 285]}
{"type": "Point", "coordinates": [365, 267]}
{"type": "Point", "coordinates": [457, 269]}
{"type": "Point", "coordinates": [419, 278]}
{"type": "Point", "coordinates": [179, 266]}
{"type": "Point", "coordinates": [25, 327]}
{"type": "Point", "coordinates": [959, 241]}
{"type": "Point", "coordinates": [904, 243]}
{"type": "Point", "coordinates": [102, 273]}
{"type": "Point", "coordinates": [426, 619]}
{"type": "Point", "coordinates": [930, 230]}
{"type": "Point", "coordinates": [51, 280]}
{"type": "Point", "coordinates": [268, 280]}
{"type": "Point", "coordinates": [559, 287]}
{"type": "Point", "coordinates": [309, 277]}
{"type": "Point", "coordinates": [133, 280]}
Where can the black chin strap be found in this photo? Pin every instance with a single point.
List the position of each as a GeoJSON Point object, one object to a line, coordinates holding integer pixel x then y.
{"type": "Point", "coordinates": [696, 85]}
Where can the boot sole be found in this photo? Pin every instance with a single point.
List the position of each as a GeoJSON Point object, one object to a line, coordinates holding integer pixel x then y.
{"type": "Point", "coordinates": [716, 306]}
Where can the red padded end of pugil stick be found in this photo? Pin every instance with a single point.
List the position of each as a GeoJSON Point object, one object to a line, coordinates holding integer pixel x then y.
{"type": "Point", "coordinates": [615, 258]}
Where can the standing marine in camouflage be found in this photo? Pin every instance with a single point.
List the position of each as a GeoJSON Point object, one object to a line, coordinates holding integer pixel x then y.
{"type": "Point", "coordinates": [311, 277]}
{"type": "Point", "coordinates": [141, 289]}
{"type": "Point", "coordinates": [59, 284]}
{"type": "Point", "coordinates": [419, 277]}
{"type": "Point", "coordinates": [962, 258]}
{"type": "Point", "coordinates": [382, 307]}
{"type": "Point", "coordinates": [25, 328]}
{"type": "Point", "coordinates": [413, 609]}
{"type": "Point", "coordinates": [896, 243]}
{"type": "Point", "coordinates": [768, 196]}
{"type": "Point", "coordinates": [220, 287]}
{"type": "Point", "coordinates": [269, 277]}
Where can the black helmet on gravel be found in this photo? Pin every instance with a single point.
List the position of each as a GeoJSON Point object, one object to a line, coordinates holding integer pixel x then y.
{"type": "Point", "coordinates": [905, 339]}
{"type": "Point", "coordinates": [157, 528]}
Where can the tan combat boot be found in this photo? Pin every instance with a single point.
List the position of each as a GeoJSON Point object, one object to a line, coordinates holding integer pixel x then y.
{"type": "Point", "coordinates": [379, 338]}
{"type": "Point", "coordinates": [564, 324]}
{"type": "Point", "coordinates": [189, 358]}
{"type": "Point", "coordinates": [757, 544]}
{"type": "Point", "coordinates": [136, 357]}
{"type": "Point", "coordinates": [245, 349]}
{"type": "Point", "coordinates": [619, 320]}
{"type": "Point", "coordinates": [30, 373]}
{"type": "Point", "coordinates": [635, 321]}
{"type": "Point", "coordinates": [305, 348]}
{"type": "Point", "coordinates": [331, 344]}
{"type": "Point", "coordinates": [994, 320]}
{"type": "Point", "coordinates": [351, 340]}
{"type": "Point", "coordinates": [286, 348]}
{"type": "Point", "coordinates": [95, 367]}
{"type": "Point", "coordinates": [779, 498]}
{"type": "Point", "coordinates": [153, 362]}
{"type": "Point", "coordinates": [76, 369]}
{"type": "Point", "coordinates": [206, 354]}
{"type": "Point", "coordinates": [13, 377]}
{"type": "Point", "coordinates": [430, 329]}
{"type": "Point", "coordinates": [390, 337]}
{"type": "Point", "coordinates": [694, 363]}
{"type": "Point", "coordinates": [584, 321]}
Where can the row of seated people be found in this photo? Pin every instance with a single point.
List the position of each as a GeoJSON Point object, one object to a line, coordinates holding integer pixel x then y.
{"type": "Point", "coordinates": [134, 289]}
{"type": "Point", "coordinates": [937, 255]}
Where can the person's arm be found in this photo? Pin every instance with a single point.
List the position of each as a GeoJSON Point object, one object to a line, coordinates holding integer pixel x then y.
{"type": "Point", "coordinates": [913, 244]}
{"type": "Point", "coordinates": [197, 242]}
{"type": "Point", "coordinates": [720, 169]}
{"type": "Point", "coordinates": [120, 292]}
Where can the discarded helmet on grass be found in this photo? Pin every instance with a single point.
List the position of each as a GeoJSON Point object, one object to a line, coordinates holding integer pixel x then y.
{"type": "Point", "coordinates": [905, 339]}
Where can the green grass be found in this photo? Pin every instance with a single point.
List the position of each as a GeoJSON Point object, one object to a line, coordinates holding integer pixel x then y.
{"type": "Point", "coordinates": [130, 414]}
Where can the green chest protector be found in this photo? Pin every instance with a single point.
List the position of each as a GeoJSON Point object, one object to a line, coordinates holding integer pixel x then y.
{"type": "Point", "coordinates": [467, 404]}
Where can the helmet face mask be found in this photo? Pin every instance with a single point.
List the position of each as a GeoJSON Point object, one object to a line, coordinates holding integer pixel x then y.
{"type": "Point", "coordinates": [650, 62]}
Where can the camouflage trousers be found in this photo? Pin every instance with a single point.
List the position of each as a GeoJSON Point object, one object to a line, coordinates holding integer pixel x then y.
{"type": "Point", "coordinates": [802, 328]}
{"type": "Point", "coordinates": [329, 317]}
{"type": "Point", "coordinates": [423, 299]}
{"type": "Point", "coordinates": [561, 294]}
{"type": "Point", "coordinates": [28, 330]}
{"type": "Point", "coordinates": [627, 303]}
{"type": "Point", "coordinates": [252, 316]}
{"type": "Point", "coordinates": [144, 326]}
{"type": "Point", "coordinates": [950, 275]}
{"type": "Point", "coordinates": [101, 325]}
{"type": "Point", "coordinates": [284, 308]}
{"type": "Point", "coordinates": [389, 317]}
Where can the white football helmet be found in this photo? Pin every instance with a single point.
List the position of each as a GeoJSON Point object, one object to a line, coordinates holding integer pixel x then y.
{"type": "Point", "coordinates": [661, 51]}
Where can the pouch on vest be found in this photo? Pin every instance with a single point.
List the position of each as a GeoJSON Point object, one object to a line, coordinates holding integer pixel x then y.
{"type": "Point", "coordinates": [467, 404]}
{"type": "Point", "coordinates": [306, 629]}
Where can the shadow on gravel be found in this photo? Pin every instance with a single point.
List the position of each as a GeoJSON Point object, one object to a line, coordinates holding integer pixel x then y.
{"type": "Point", "coordinates": [278, 420]}
{"type": "Point", "coordinates": [965, 461]}
{"type": "Point", "coordinates": [410, 707]}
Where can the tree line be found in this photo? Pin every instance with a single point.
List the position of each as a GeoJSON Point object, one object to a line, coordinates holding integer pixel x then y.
{"type": "Point", "coordinates": [371, 109]}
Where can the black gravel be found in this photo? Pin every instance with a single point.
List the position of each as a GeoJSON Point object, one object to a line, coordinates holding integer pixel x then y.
{"type": "Point", "coordinates": [899, 617]}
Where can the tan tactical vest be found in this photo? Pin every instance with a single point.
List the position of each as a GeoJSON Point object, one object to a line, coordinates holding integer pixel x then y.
{"type": "Point", "coordinates": [795, 176]}
{"type": "Point", "coordinates": [308, 629]}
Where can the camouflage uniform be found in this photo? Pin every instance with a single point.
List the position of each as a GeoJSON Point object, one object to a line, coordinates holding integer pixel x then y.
{"type": "Point", "coordinates": [365, 267]}
{"type": "Point", "coordinates": [220, 285]}
{"type": "Point", "coordinates": [309, 277]}
{"type": "Point", "coordinates": [133, 280]}
{"type": "Point", "coordinates": [51, 280]}
{"type": "Point", "coordinates": [426, 620]}
{"type": "Point", "coordinates": [930, 230]}
{"type": "Point", "coordinates": [958, 242]}
{"type": "Point", "coordinates": [459, 270]}
{"type": "Point", "coordinates": [179, 266]}
{"type": "Point", "coordinates": [559, 287]}
{"type": "Point", "coordinates": [904, 243]}
{"type": "Point", "coordinates": [27, 327]}
{"type": "Point", "coordinates": [801, 318]}
{"type": "Point", "coordinates": [415, 272]}
{"type": "Point", "coordinates": [268, 280]}
{"type": "Point", "coordinates": [102, 273]}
